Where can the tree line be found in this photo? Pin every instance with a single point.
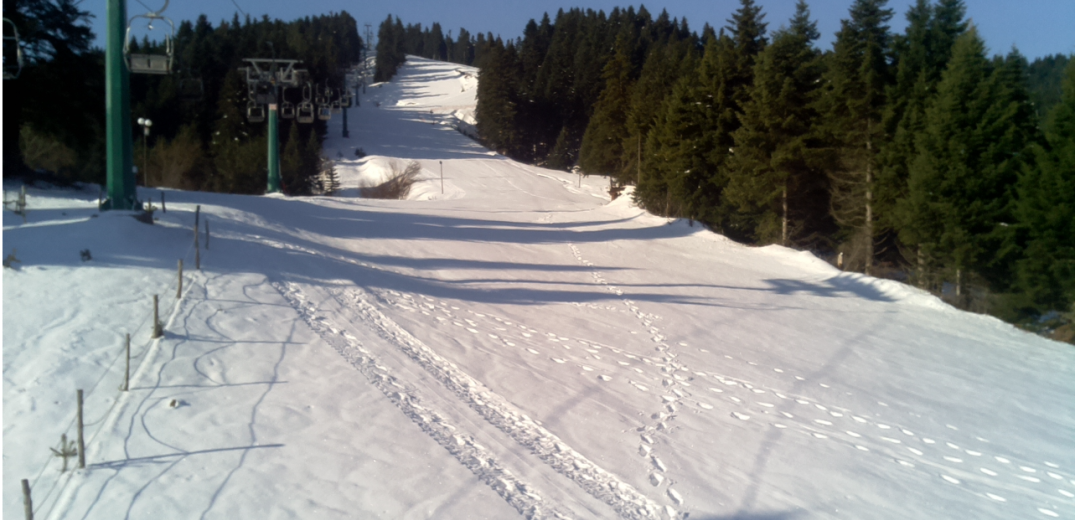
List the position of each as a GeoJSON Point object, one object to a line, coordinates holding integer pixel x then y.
{"type": "Point", "coordinates": [200, 138]}
{"type": "Point", "coordinates": [912, 155]}
{"type": "Point", "coordinates": [396, 40]}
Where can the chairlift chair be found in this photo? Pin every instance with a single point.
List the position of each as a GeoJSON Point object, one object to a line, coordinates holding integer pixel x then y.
{"type": "Point", "coordinates": [347, 101]}
{"type": "Point", "coordinates": [287, 110]}
{"type": "Point", "coordinates": [336, 106]}
{"type": "Point", "coordinates": [12, 71]}
{"type": "Point", "coordinates": [324, 112]}
{"type": "Point", "coordinates": [150, 63]}
{"type": "Point", "coordinates": [255, 113]}
{"type": "Point", "coordinates": [305, 112]}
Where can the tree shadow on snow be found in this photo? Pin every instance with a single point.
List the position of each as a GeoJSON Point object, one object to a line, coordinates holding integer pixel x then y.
{"type": "Point", "coordinates": [782, 515]}
{"type": "Point", "coordinates": [831, 288]}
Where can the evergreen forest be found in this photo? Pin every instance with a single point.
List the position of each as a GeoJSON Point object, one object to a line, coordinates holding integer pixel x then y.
{"type": "Point", "coordinates": [913, 155]}
{"type": "Point", "coordinates": [200, 138]}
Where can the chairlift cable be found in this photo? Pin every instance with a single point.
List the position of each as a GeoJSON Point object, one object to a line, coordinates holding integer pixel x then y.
{"type": "Point", "coordinates": [239, 8]}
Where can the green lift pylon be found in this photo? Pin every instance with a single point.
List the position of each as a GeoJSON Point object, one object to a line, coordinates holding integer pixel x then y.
{"type": "Point", "coordinates": [274, 150]}
{"type": "Point", "coordinates": [264, 77]}
{"type": "Point", "coordinates": [122, 194]}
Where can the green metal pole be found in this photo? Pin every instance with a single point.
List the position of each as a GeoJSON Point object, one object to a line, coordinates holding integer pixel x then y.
{"type": "Point", "coordinates": [274, 152]}
{"type": "Point", "coordinates": [121, 184]}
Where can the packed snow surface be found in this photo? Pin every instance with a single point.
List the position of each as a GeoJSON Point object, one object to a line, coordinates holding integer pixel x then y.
{"type": "Point", "coordinates": [510, 344]}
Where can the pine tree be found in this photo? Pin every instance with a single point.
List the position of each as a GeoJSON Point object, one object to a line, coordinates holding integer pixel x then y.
{"type": "Point", "coordinates": [959, 206]}
{"type": "Point", "coordinates": [852, 108]}
{"type": "Point", "coordinates": [772, 176]}
{"type": "Point", "coordinates": [391, 43]}
{"type": "Point", "coordinates": [1045, 211]}
{"type": "Point", "coordinates": [665, 65]}
{"type": "Point", "coordinates": [497, 99]}
{"type": "Point", "coordinates": [602, 144]}
{"type": "Point", "coordinates": [291, 163]}
{"type": "Point", "coordinates": [922, 53]}
{"type": "Point", "coordinates": [671, 150]}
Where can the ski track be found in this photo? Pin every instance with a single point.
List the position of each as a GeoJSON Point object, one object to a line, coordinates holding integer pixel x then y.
{"type": "Point", "coordinates": [624, 499]}
{"type": "Point", "coordinates": [462, 446]}
{"type": "Point", "coordinates": [982, 468]}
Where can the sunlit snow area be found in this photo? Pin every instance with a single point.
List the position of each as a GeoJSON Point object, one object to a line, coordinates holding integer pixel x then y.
{"type": "Point", "coordinates": [517, 345]}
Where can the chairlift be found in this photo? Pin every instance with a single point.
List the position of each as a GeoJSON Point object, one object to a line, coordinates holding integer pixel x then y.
{"type": "Point", "coordinates": [12, 71]}
{"type": "Point", "coordinates": [150, 63]}
{"type": "Point", "coordinates": [305, 110]}
{"type": "Point", "coordinates": [347, 101]}
{"type": "Point", "coordinates": [287, 108]}
{"type": "Point", "coordinates": [336, 106]}
{"type": "Point", "coordinates": [255, 113]}
{"type": "Point", "coordinates": [324, 112]}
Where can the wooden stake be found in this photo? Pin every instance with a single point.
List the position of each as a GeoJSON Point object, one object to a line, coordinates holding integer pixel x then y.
{"type": "Point", "coordinates": [164, 209]}
{"type": "Point", "coordinates": [127, 372]}
{"type": "Point", "coordinates": [197, 250]}
{"type": "Point", "coordinates": [81, 438]}
{"type": "Point", "coordinates": [179, 291]}
{"type": "Point", "coordinates": [206, 233]}
{"type": "Point", "coordinates": [157, 332]}
{"type": "Point", "coordinates": [197, 214]}
{"type": "Point", "coordinates": [27, 502]}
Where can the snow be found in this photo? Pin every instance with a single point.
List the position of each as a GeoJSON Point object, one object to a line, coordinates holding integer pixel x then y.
{"type": "Point", "coordinates": [517, 345]}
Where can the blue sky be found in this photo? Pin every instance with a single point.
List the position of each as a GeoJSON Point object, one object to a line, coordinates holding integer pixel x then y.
{"type": "Point", "coordinates": [1037, 28]}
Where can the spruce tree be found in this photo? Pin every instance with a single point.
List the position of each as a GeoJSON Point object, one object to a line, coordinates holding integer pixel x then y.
{"type": "Point", "coordinates": [771, 172]}
{"type": "Point", "coordinates": [852, 107]}
{"type": "Point", "coordinates": [664, 66]}
{"type": "Point", "coordinates": [958, 210]}
{"type": "Point", "coordinates": [291, 163]}
{"type": "Point", "coordinates": [602, 144]}
{"type": "Point", "coordinates": [1045, 211]}
{"type": "Point", "coordinates": [922, 53]}
{"type": "Point", "coordinates": [497, 99]}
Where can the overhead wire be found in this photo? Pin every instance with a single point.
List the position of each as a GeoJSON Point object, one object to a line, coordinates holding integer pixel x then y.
{"type": "Point", "coordinates": [239, 8]}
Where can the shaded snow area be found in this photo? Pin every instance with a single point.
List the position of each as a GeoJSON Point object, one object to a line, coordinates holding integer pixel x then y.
{"type": "Point", "coordinates": [516, 346]}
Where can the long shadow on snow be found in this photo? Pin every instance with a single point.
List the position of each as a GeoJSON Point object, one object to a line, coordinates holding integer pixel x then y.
{"type": "Point", "coordinates": [390, 132]}
{"type": "Point", "coordinates": [784, 515]}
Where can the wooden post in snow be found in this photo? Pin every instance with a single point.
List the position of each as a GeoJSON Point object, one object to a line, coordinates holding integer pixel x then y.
{"type": "Point", "coordinates": [81, 438]}
{"type": "Point", "coordinates": [27, 503]}
{"type": "Point", "coordinates": [127, 372]}
{"type": "Point", "coordinates": [157, 332]}
{"type": "Point", "coordinates": [197, 249]}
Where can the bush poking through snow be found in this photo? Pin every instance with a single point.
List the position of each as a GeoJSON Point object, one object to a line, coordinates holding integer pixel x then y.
{"type": "Point", "coordinates": [398, 184]}
{"type": "Point", "coordinates": [328, 182]}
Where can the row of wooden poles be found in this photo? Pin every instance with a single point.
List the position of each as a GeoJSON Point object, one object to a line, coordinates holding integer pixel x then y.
{"type": "Point", "coordinates": [158, 331]}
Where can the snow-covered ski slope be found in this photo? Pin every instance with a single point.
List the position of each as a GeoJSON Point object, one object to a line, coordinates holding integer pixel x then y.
{"type": "Point", "coordinates": [518, 346]}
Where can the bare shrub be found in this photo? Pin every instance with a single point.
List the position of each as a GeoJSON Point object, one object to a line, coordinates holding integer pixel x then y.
{"type": "Point", "coordinates": [171, 163]}
{"type": "Point", "coordinates": [398, 185]}
{"type": "Point", "coordinates": [328, 181]}
{"type": "Point", "coordinates": [44, 152]}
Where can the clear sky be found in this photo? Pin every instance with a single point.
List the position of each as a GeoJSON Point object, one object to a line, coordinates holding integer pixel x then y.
{"type": "Point", "coordinates": [1036, 27]}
